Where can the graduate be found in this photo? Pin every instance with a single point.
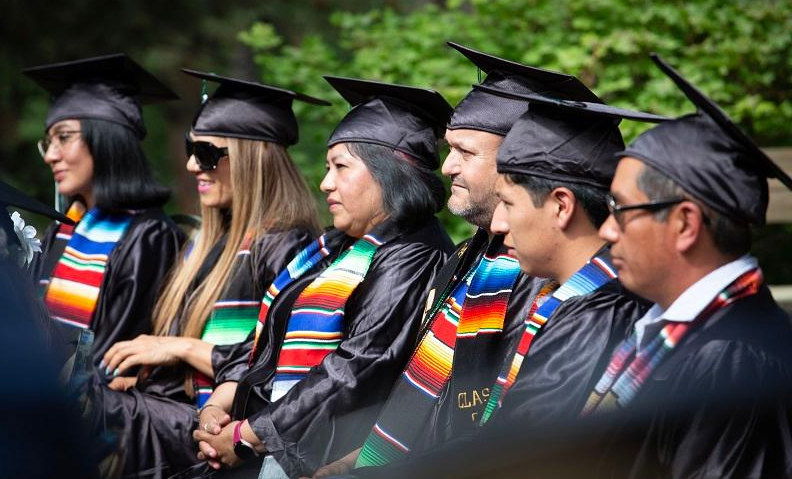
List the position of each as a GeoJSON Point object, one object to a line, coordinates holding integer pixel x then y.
{"type": "Point", "coordinates": [555, 166]}
{"type": "Point", "coordinates": [105, 273]}
{"type": "Point", "coordinates": [710, 363]}
{"type": "Point", "coordinates": [338, 323]}
{"type": "Point", "coordinates": [481, 297]}
{"type": "Point", "coordinates": [257, 213]}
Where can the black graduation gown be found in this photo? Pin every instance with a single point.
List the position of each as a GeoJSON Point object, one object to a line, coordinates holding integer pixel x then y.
{"type": "Point", "coordinates": [136, 270]}
{"type": "Point", "coordinates": [476, 362]}
{"type": "Point", "coordinates": [157, 417]}
{"type": "Point", "coordinates": [564, 362]}
{"type": "Point", "coordinates": [329, 412]}
{"type": "Point", "coordinates": [719, 406]}
{"type": "Point", "coordinates": [568, 356]}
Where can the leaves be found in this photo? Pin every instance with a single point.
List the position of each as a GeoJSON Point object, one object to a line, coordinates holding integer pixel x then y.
{"type": "Point", "coordinates": [737, 52]}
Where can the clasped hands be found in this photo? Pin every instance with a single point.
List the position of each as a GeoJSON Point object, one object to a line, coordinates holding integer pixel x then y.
{"type": "Point", "coordinates": [215, 437]}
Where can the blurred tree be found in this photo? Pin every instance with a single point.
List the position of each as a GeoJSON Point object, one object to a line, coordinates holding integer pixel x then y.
{"type": "Point", "coordinates": [738, 52]}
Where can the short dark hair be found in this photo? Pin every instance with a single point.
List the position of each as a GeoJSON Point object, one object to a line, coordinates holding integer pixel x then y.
{"type": "Point", "coordinates": [411, 193]}
{"type": "Point", "coordinates": [122, 179]}
{"type": "Point", "coordinates": [731, 237]}
{"type": "Point", "coordinates": [592, 199]}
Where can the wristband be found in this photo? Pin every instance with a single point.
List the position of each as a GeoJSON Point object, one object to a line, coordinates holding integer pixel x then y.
{"type": "Point", "coordinates": [243, 449]}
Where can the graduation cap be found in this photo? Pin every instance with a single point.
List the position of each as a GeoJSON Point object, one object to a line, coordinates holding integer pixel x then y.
{"type": "Point", "coordinates": [564, 140]}
{"type": "Point", "coordinates": [405, 118]}
{"type": "Point", "coordinates": [10, 196]}
{"type": "Point", "coordinates": [710, 157]}
{"type": "Point", "coordinates": [110, 87]}
{"type": "Point", "coordinates": [250, 110]}
{"type": "Point", "coordinates": [480, 110]}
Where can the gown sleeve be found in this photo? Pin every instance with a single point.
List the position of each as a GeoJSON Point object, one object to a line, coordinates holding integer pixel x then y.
{"type": "Point", "coordinates": [271, 253]}
{"type": "Point", "coordinates": [384, 313]}
{"type": "Point", "coordinates": [135, 274]}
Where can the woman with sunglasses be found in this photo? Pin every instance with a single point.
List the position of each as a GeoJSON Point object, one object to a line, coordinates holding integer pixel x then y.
{"type": "Point", "coordinates": [256, 214]}
{"type": "Point", "coordinates": [104, 274]}
{"type": "Point", "coordinates": [338, 323]}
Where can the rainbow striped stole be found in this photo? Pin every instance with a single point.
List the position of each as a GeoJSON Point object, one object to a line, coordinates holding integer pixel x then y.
{"type": "Point", "coordinates": [628, 371]}
{"type": "Point", "coordinates": [476, 306]}
{"type": "Point", "coordinates": [233, 316]}
{"type": "Point", "coordinates": [597, 272]}
{"type": "Point", "coordinates": [73, 290]}
{"type": "Point", "coordinates": [306, 259]}
{"type": "Point", "coordinates": [316, 324]}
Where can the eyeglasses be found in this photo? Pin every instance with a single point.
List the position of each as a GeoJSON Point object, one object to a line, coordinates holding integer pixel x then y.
{"type": "Point", "coordinates": [59, 139]}
{"type": "Point", "coordinates": [616, 209]}
{"type": "Point", "coordinates": [206, 154]}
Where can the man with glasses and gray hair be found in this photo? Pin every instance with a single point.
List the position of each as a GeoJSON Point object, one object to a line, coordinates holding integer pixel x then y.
{"type": "Point", "coordinates": [709, 366]}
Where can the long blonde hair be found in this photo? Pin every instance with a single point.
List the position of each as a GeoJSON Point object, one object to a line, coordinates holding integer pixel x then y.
{"type": "Point", "coordinates": [268, 192]}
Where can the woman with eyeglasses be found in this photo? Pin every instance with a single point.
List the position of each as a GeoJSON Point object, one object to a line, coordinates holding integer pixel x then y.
{"type": "Point", "coordinates": [104, 273]}
{"type": "Point", "coordinates": [256, 214]}
{"type": "Point", "coordinates": [338, 324]}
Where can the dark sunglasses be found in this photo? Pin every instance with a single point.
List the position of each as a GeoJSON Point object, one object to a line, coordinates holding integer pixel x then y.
{"type": "Point", "coordinates": [206, 154]}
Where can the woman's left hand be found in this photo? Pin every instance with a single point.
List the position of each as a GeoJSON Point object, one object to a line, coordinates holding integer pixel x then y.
{"type": "Point", "coordinates": [217, 448]}
{"type": "Point", "coordinates": [144, 350]}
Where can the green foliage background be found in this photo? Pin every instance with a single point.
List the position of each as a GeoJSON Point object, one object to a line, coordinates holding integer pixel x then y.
{"type": "Point", "coordinates": [738, 52]}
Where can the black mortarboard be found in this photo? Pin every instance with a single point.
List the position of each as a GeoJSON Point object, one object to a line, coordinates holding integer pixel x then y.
{"type": "Point", "coordinates": [250, 110]}
{"type": "Point", "coordinates": [405, 118]}
{"type": "Point", "coordinates": [710, 157]}
{"type": "Point", "coordinates": [110, 87]}
{"type": "Point", "coordinates": [564, 140]}
{"type": "Point", "coordinates": [480, 110]}
{"type": "Point", "coordinates": [10, 196]}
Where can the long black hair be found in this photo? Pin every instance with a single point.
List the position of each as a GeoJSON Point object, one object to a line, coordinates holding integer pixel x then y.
{"type": "Point", "coordinates": [122, 179]}
{"type": "Point", "coordinates": [411, 193]}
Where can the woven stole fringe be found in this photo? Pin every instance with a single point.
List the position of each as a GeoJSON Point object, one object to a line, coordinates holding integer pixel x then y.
{"type": "Point", "coordinates": [231, 320]}
{"type": "Point", "coordinates": [628, 371]}
{"type": "Point", "coordinates": [476, 306]}
{"type": "Point", "coordinates": [302, 262]}
{"type": "Point", "coordinates": [73, 291]}
{"type": "Point", "coordinates": [316, 324]}
{"type": "Point", "coordinates": [592, 276]}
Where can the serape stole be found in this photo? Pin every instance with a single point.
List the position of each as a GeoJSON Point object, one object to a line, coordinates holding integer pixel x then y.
{"type": "Point", "coordinates": [233, 316]}
{"type": "Point", "coordinates": [597, 272]}
{"type": "Point", "coordinates": [302, 262]}
{"type": "Point", "coordinates": [628, 370]}
{"type": "Point", "coordinates": [476, 306]}
{"type": "Point", "coordinates": [316, 324]}
{"type": "Point", "coordinates": [73, 290]}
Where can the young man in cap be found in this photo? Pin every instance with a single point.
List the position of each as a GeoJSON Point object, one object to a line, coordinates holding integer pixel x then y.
{"type": "Point", "coordinates": [710, 363]}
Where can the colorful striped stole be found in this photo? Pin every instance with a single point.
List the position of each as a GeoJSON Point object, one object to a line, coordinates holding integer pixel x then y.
{"type": "Point", "coordinates": [302, 262]}
{"type": "Point", "coordinates": [597, 272]}
{"type": "Point", "coordinates": [316, 324]}
{"type": "Point", "coordinates": [233, 315]}
{"type": "Point", "coordinates": [628, 371]}
{"type": "Point", "coordinates": [476, 306]}
{"type": "Point", "coordinates": [73, 290]}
